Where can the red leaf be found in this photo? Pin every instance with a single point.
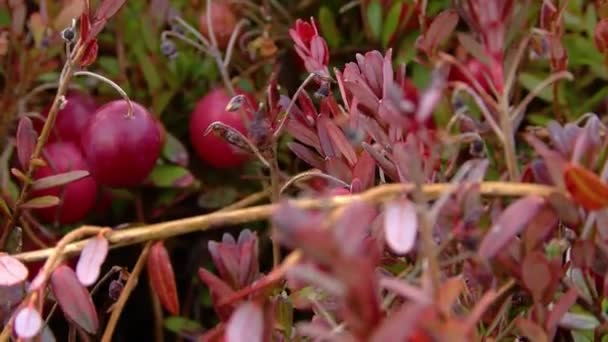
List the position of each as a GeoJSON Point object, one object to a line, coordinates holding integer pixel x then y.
{"type": "Point", "coordinates": [400, 226]}
{"type": "Point", "coordinates": [28, 322]}
{"type": "Point", "coordinates": [339, 141]}
{"type": "Point", "coordinates": [85, 24]}
{"type": "Point", "coordinates": [220, 291]}
{"type": "Point", "coordinates": [560, 309]}
{"type": "Point", "coordinates": [585, 187]}
{"type": "Point", "coordinates": [91, 259]}
{"type": "Point", "coordinates": [162, 277]}
{"type": "Point", "coordinates": [365, 170]}
{"type": "Point", "coordinates": [74, 299]}
{"type": "Point", "coordinates": [308, 156]}
{"type": "Point", "coordinates": [12, 271]}
{"type": "Point", "coordinates": [106, 10]}
{"type": "Point", "coordinates": [510, 223]}
{"type": "Point", "coordinates": [246, 324]}
{"type": "Point", "coordinates": [90, 53]}
{"type": "Point", "coordinates": [536, 274]}
{"type": "Point", "coordinates": [26, 141]}
{"type": "Point", "coordinates": [442, 27]}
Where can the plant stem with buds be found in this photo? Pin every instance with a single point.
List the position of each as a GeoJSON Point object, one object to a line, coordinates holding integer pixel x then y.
{"type": "Point", "coordinates": [66, 76]}
{"type": "Point", "coordinates": [165, 230]}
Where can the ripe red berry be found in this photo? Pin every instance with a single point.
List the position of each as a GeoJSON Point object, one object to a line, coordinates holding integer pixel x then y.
{"type": "Point", "coordinates": [223, 21]}
{"type": "Point", "coordinates": [72, 119]}
{"type": "Point", "coordinates": [211, 148]}
{"type": "Point", "coordinates": [77, 197]}
{"type": "Point", "coordinates": [121, 151]}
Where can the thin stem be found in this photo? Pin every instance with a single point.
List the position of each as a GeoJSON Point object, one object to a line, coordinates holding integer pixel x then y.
{"type": "Point", "coordinates": [519, 111]}
{"type": "Point", "coordinates": [185, 39]}
{"type": "Point", "coordinates": [211, 49]}
{"type": "Point", "coordinates": [210, 24]}
{"type": "Point", "coordinates": [64, 81]}
{"type": "Point", "coordinates": [509, 139]}
{"type": "Point", "coordinates": [126, 292]}
{"type": "Point", "coordinates": [232, 41]}
{"type": "Point", "coordinates": [279, 130]}
{"type": "Point", "coordinates": [311, 174]}
{"type": "Point", "coordinates": [379, 194]}
{"type": "Point", "coordinates": [275, 195]}
{"type": "Point", "coordinates": [111, 84]}
{"type": "Point", "coordinates": [460, 86]}
{"type": "Point", "coordinates": [512, 72]}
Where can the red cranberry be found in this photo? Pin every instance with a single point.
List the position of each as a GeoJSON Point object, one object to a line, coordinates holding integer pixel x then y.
{"type": "Point", "coordinates": [223, 21]}
{"type": "Point", "coordinates": [78, 197]}
{"type": "Point", "coordinates": [121, 151]}
{"type": "Point", "coordinates": [72, 119]}
{"type": "Point", "coordinates": [211, 148]}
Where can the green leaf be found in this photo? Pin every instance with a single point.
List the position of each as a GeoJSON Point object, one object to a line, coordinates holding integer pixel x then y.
{"type": "Point", "coordinates": [217, 198]}
{"type": "Point", "coordinates": [391, 22]}
{"type": "Point", "coordinates": [160, 102]}
{"type": "Point", "coordinates": [175, 152]}
{"type": "Point", "coordinates": [5, 17]}
{"type": "Point", "coordinates": [330, 31]}
{"type": "Point", "coordinates": [374, 18]}
{"type": "Point", "coordinates": [149, 35]}
{"type": "Point", "coordinates": [180, 325]}
{"type": "Point", "coordinates": [149, 70]}
{"type": "Point", "coordinates": [109, 65]}
{"type": "Point", "coordinates": [58, 180]}
{"type": "Point", "coordinates": [171, 176]}
{"type": "Point", "coordinates": [4, 208]}
{"type": "Point", "coordinates": [530, 81]}
{"type": "Point", "coordinates": [41, 202]}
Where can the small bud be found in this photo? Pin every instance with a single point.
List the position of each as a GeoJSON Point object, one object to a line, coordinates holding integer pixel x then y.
{"type": "Point", "coordinates": [476, 149]}
{"type": "Point", "coordinates": [323, 91]}
{"type": "Point", "coordinates": [168, 48]}
{"type": "Point", "coordinates": [235, 103]}
{"type": "Point", "coordinates": [68, 34]}
{"type": "Point", "coordinates": [600, 36]}
{"type": "Point", "coordinates": [115, 289]}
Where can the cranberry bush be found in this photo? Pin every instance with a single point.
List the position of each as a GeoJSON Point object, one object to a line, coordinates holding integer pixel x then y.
{"type": "Point", "coordinates": [429, 170]}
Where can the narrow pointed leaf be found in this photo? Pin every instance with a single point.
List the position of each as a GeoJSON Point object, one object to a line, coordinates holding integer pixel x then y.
{"type": "Point", "coordinates": [340, 142]}
{"type": "Point", "coordinates": [307, 155]}
{"type": "Point", "coordinates": [28, 322]}
{"type": "Point", "coordinates": [91, 259]}
{"type": "Point", "coordinates": [58, 180]}
{"type": "Point", "coordinates": [560, 309]}
{"type": "Point", "coordinates": [12, 271]}
{"type": "Point", "coordinates": [74, 299]}
{"type": "Point", "coordinates": [400, 226]}
{"type": "Point", "coordinates": [510, 223]}
{"type": "Point", "coordinates": [26, 141]}
{"type": "Point", "coordinates": [585, 187]}
{"type": "Point", "coordinates": [162, 277]}
{"type": "Point", "coordinates": [246, 324]}
{"type": "Point", "coordinates": [536, 274]}
{"type": "Point", "coordinates": [171, 176]}
{"type": "Point", "coordinates": [41, 202]}
{"type": "Point", "coordinates": [175, 152]}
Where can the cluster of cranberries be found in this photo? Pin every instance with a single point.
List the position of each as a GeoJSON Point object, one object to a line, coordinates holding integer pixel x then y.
{"type": "Point", "coordinates": [117, 149]}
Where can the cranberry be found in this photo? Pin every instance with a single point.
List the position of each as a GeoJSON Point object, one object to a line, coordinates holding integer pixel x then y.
{"type": "Point", "coordinates": [223, 21]}
{"type": "Point", "coordinates": [77, 197]}
{"type": "Point", "coordinates": [72, 119]}
{"type": "Point", "coordinates": [121, 151]}
{"type": "Point", "coordinates": [211, 148]}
